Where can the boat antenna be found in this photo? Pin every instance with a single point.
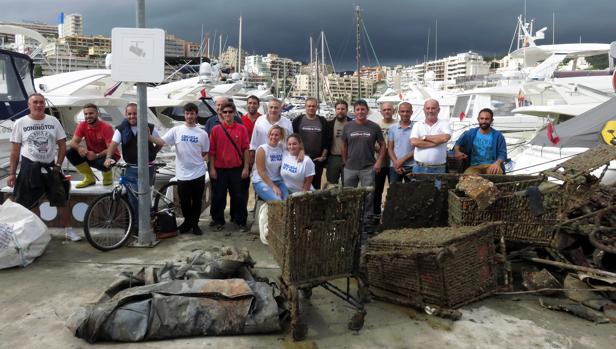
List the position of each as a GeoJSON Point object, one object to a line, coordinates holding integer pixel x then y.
{"type": "Point", "coordinates": [435, 39]}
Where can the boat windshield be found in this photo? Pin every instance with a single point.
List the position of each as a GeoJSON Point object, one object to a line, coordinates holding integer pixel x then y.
{"type": "Point", "coordinates": [10, 87]}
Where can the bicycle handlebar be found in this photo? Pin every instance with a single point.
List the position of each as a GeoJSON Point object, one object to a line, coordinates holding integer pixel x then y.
{"type": "Point", "coordinates": [126, 165]}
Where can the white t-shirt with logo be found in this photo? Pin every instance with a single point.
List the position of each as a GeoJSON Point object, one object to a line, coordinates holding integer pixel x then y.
{"type": "Point", "coordinates": [38, 137]}
{"type": "Point", "coordinates": [273, 161]}
{"type": "Point", "coordinates": [434, 155]}
{"type": "Point", "coordinates": [190, 144]}
{"type": "Point", "coordinates": [262, 127]}
{"type": "Point", "coordinates": [293, 173]}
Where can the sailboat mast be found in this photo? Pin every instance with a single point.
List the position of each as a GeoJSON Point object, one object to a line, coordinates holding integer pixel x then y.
{"type": "Point", "coordinates": [311, 86]}
{"type": "Point", "coordinates": [239, 50]}
{"type": "Point", "coordinates": [316, 64]}
{"type": "Point", "coordinates": [323, 62]}
{"type": "Point", "coordinates": [357, 38]}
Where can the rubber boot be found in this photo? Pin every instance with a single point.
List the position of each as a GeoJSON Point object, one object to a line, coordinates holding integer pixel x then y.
{"type": "Point", "coordinates": [107, 178]}
{"type": "Point", "coordinates": [88, 175]}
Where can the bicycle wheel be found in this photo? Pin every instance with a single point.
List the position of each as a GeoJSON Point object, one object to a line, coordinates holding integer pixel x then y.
{"type": "Point", "coordinates": [171, 199]}
{"type": "Point", "coordinates": [108, 222]}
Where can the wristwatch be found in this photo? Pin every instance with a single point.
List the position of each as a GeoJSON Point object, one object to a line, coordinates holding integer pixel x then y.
{"type": "Point", "coordinates": [423, 138]}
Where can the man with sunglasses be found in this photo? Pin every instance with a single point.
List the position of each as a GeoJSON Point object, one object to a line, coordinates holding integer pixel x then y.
{"type": "Point", "coordinates": [229, 165]}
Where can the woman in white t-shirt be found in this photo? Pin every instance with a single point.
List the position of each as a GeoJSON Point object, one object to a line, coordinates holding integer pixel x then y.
{"type": "Point", "coordinates": [266, 177]}
{"type": "Point", "coordinates": [297, 175]}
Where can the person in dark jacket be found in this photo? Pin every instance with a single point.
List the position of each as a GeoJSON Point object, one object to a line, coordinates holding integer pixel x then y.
{"type": "Point", "coordinates": [313, 130]}
{"type": "Point", "coordinates": [334, 128]}
{"type": "Point", "coordinates": [125, 135]}
{"type": "Point", "coordinates": [484, 146]}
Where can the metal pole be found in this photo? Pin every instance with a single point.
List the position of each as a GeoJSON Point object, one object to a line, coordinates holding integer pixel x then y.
{"type": "Point", "coordinates": [357, 14]}
{"type": "Point", "coordinates": [146, 238]}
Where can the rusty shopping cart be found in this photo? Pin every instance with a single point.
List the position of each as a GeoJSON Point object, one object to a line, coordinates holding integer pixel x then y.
{"type": "Point", "coordinates": [315, 238]}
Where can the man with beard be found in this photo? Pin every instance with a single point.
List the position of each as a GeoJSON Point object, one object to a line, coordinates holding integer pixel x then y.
{"type": "Point", "coordinates": [312, 129]}
{"type": "Point", "coordinates": [387, 121]}
{"type": "Point", "coordinates": [125, 135]}
{"type": "Point", "coordinates": [483, 146]}
{"type": "Point", "coordinates": [97, 135]}
{"type": "Point", "coordinates": [334, 127]}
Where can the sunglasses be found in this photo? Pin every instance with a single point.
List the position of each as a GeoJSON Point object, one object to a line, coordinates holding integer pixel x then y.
{"type": "Point", "coordinates": [227, 112]}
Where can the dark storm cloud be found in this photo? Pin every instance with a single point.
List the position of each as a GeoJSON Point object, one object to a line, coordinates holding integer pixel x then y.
{"type": "Point", "coordinates": [398, 29]}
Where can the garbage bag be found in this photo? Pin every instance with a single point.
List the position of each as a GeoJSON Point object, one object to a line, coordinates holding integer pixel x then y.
{"type": "Point", "coordinates": [23, 236]}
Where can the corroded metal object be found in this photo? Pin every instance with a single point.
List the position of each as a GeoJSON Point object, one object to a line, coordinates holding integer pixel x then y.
{"type": "Point", "coordinates": [447, 267]}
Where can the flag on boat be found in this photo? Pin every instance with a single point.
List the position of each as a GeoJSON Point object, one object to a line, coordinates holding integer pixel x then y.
{"type": "Point", "coordinates": [552, 136]}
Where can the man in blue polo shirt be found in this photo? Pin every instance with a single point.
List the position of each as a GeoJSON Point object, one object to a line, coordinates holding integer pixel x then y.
{"type": "Point", "coordinates": [399, 145]}
{"type": "Point", "coordinates": [483, 146]}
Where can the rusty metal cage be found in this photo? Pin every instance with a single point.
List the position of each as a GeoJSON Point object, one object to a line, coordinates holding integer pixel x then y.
{"type": "Point", "coordinates": [513, 209]}
{"type": "Point", "coordinates": [315, 237]}
{"type": "Point", "coordinates": [447, 267]}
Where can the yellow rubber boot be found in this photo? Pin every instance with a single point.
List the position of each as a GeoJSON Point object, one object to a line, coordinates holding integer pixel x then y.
{"type": "Point", "coordinates": [107, 178]}
{"type": "Point", "coordinates": [88, 175]}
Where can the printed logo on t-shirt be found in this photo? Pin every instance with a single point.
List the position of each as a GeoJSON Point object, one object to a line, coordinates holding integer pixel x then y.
{"type": "Point", "coordinates": [38, 142]}
{"type": "Point", "coordinates": [360, 134]}
{"type": "Point", "coordinates": [311, 128]}
{"type": "Point", "coordinates": [289, 168]}
{"type": "Point", "coordinates": [275, 157]}
{"type": "Point", "coordinates": [189, 139]}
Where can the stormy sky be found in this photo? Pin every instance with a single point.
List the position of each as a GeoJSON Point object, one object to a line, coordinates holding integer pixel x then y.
{"type": "Point", "coordinates": [398, 29]}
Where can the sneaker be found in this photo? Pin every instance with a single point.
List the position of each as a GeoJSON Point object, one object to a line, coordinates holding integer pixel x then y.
{"type": "Point", "coordinates": [243, 228]}
{"type": "Point", "coordinates": [219, 227]}
{"type": "Point", "coordinates": [196, 230]}
{"type": "Point", "coordinates": [72, 235]}
{"type": "Point", "coordinates": [212, 224]}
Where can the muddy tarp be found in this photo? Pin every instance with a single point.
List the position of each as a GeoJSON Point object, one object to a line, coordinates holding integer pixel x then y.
{"type": "Point", "coordinates": [212, 293]}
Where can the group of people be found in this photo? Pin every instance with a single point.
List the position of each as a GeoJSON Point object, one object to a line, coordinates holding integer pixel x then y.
{"type": "Point", "coordinates": [277, 156]}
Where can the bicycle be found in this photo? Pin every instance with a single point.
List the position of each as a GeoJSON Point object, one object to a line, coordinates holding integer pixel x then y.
{"type": "Point", "coordinates": [109, 221]}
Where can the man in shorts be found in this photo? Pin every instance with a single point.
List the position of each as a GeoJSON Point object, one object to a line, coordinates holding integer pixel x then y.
{"type": "Point", "coordinates": [33, 142]}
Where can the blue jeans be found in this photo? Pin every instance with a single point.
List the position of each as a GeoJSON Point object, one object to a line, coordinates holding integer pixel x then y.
{"type": "Point", "coordinates": [436, 169]}
{"type": "Point", "coordinates": [131, 180]}
{"type": "Point", "coordinates": [266, 193]}
{"type": "Point", "coordinates": [432, 169]}
{"type": "Point", "coordinates": [394, 177]}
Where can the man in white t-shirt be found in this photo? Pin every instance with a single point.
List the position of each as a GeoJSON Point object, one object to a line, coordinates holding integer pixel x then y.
{"type": "Point", "coordinates": [34, 139]}
{"type": "Point", "coordinates": [430, 137]}
{"type": "Point", "coordinates": [263, 125]}
{"type": "Point", "coordinates": [191, 146]}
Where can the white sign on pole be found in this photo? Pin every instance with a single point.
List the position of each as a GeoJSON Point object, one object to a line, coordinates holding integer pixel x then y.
{"type": "Point", "coordinates": [138, 54]}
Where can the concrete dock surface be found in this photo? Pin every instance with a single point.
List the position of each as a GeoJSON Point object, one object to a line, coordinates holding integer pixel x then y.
{"type": "Point", "coordinates": [37, 300]}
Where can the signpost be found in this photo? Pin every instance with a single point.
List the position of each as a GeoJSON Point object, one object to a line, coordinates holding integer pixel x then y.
{"type": "Point", "coordinates": [139, 56]}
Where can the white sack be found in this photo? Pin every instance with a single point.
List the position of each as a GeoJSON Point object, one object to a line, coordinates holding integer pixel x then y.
{"type": "Point", "coordinates": [23, 236]}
